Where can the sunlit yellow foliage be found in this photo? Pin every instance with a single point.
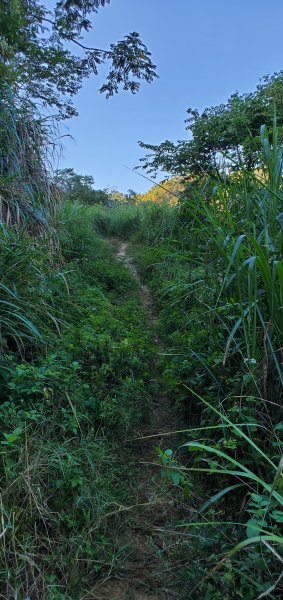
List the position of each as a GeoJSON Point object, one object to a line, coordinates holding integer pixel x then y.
{"type": "Point", "coordinates": [168, 193]}
{"type": "Point", "coordinates": [260, 173]}
{"type": "Point", "coordinates": [116, 195]}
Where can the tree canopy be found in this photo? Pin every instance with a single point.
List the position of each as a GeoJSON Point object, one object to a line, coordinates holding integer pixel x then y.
{"type": "Point", "coordinates": [79, 188]}
{"type": "Point", "coordinates": [37, 54]}
{"type": "Point", "coordinates": [228, 133]}
{"type": "Point", "coordinates": [166, 192]}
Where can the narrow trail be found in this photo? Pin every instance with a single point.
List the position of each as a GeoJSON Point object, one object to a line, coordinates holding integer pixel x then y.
{"type": "Point", "coordinates": [154, 561]}
{"type": "Point", "coordinates": [124, 257]}
{"type": "Point", "coordinates": [163, 417]}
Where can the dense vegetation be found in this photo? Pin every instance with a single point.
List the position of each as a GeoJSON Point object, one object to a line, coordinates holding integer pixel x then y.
{"type": "Point", "coordinates": [74, 367]}
{"type": "Point", "coordinates": [214, 265]}
{"type": "Point", "coordinates": [83, 357]}
{"type": "Point", "coordinates": [223, 135]}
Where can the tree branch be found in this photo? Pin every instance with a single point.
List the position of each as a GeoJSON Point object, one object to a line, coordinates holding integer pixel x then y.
{"type": "Point", "coordinates": [72, 39]}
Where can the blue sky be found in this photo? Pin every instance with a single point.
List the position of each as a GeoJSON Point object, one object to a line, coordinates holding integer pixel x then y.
{"type": "Point", "coordinates": [204, 50]}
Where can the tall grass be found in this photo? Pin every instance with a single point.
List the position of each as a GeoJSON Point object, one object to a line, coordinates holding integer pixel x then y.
{"type": "Point", "coordinates": [215, 268]}
{"type": "Point", "coordinates": [244, 226]}
{"type": "Point", "coordinates": [237, 239]}
{"type": "Point", "coordinates": [26, 193]}
{"type": "Point", "coordinates": [244, 229]}
{"type": "Point", "coordinates": [31, 289]}
{"type": "Point", "coordinates": [148, 222]}
{"type": "Point", "coordinates": [27, 203]}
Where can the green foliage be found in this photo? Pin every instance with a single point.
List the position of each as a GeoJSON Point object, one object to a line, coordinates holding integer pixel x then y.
{"type": "Point", "coordinates": [224, 136]}
{"type": "Point", "coordinates": [76, 360]}
{"type": "Point", "coordinates": [79, 188]}
{"type": "Point", "coordinates": [69, 399]}
{"type": "Point", "coordinates": [168, 191]}
{"type": "Point", "coordinates": [214, 265]}
{"type": "Point", "coordinates": [30, 292]}
{"type": "Point", "coordinates": [35, 53]}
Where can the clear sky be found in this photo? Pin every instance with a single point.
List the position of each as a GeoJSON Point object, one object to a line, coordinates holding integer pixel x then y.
{"type": "Point", "coordinates": [204, 50]}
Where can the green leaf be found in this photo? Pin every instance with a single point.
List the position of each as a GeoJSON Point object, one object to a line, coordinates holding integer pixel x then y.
{"type": "Point", "coordinates": [254, 526]}
{"type": "Point", "coordinates": [176, 477]}
{"type": "Point", "coordinates": [219, 495]}
{"type": "Point", "coordinates": [277, 515]}
{"type": "Point", "coordinates": [168, 452]}
{"type": "Point", "coordinates": [10, 437]}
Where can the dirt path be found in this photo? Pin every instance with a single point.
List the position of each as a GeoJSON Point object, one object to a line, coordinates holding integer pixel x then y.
{"type": "Point", "coordinates": [124, 257]}
{"type": "Point", "coordinates": [154, 560]}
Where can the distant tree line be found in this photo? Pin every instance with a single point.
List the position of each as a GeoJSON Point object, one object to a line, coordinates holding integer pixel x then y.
{"type": "Point", "coordinates": [80, 188]}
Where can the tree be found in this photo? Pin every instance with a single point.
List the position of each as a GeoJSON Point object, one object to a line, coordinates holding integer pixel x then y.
{"type": "Point", "coordinates": [35, 55]}
{"type": "Point", "coordinates": [79, 187]}
{"type": "Point", "coordinates": [228, 134]}
{"type": "Point", "coordinates": [166, 192]}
